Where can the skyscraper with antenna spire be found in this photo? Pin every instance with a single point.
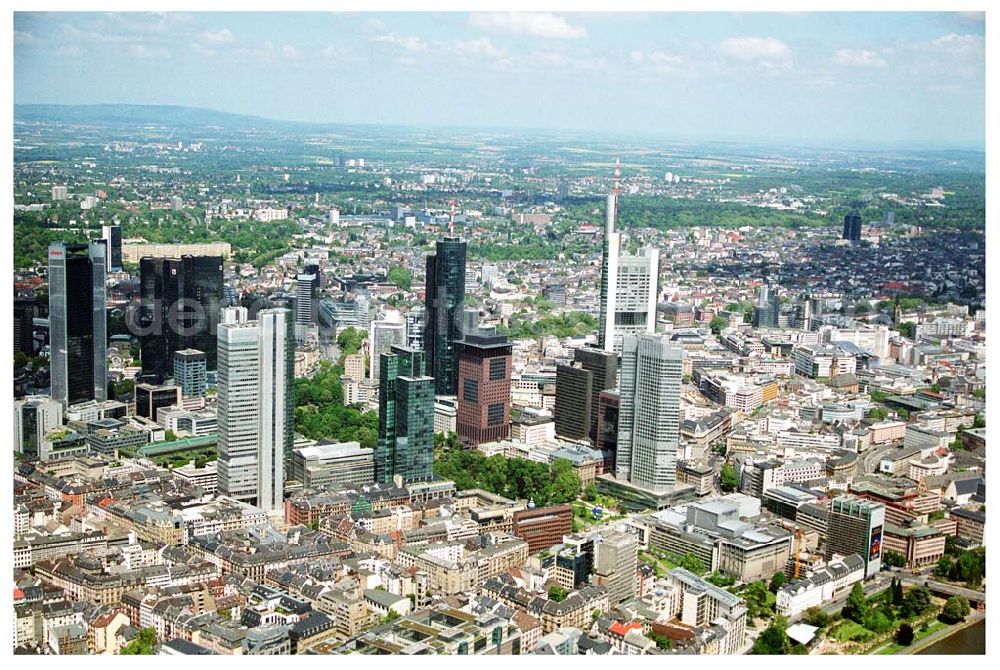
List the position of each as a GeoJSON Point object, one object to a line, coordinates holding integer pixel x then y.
{"type": "Point", "coordinates": [629, 284]}
{"type": "Point", "coordinates": [609, 270]}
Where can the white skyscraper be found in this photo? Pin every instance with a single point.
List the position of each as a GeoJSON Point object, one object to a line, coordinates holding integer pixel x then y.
{"type": "Point", "coordinates": [305, 298]}
{"type": "Point", "coordinates": [628, 286]}
{"type": "Point", "coordinates": [255, 404]}
{"type": "Point", "coordinates": [635, 295]}
{"type": "Point", "coordinates": [649, 412]}
{"type": "Point", "coordinates": [382, 335]}
{"type": "Point", "coordinates": [238, 364]}
{"type": "Point", "coordinates": [275, 406]}
{"type": "Point", "coordinates": [609, 277]}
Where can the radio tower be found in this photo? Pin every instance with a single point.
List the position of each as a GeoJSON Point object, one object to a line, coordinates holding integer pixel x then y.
{"type": "Point", "coordinates": [451, 224]}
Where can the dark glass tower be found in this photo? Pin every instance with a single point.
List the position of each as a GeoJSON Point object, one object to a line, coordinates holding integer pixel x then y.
{"type": "Point", "coordinates": [405, 418]}
{"type": "Point", "coordinates": [112, 237]}
{"type": "Point", "coordinates": [181, 299]}
{"type": "Point", "coordinates": [25, 310]}
{"type": "Point", "coordinates": [852, 227]}
{"type": "Point", "coordinates": [78, 322]}
{"type": "Point", "coordinates": [443, 304]}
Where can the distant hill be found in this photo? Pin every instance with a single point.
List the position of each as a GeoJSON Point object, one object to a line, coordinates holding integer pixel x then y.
{"type": "Point", "coordinates": [160, 115]}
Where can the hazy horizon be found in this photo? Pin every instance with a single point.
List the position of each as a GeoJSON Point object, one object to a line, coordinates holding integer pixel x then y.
{"type": "Point", "coordinates": [885, 80]}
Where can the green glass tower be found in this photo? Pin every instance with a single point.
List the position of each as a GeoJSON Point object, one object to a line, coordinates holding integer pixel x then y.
{"type": "Point", "coordinates": [405, 417]}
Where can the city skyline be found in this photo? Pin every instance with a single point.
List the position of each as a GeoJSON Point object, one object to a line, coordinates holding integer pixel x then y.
{"type": "Point", "coordinates": [890, 79]}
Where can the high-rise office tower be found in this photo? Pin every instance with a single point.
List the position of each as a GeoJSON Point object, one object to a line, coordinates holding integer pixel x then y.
{"type": "Point", "coordinates": [578, 390]}
{"type": "Point", "coordinates": [237, 405]}
{"type": "Point", "coordinates": [25, 310]}
{"type": "Point", "coordinates": [852, 227]}
{"type": "Point", "coordinates": [574, 387]}
{"type": "Point", "coordinates": [629, 286]}
{"type": "Point", "coordinates": [603, 367]}
{"type": "Point", "coordinates": [616, 561]}
{"type": "Point", "coordinates": [444, 300]}
{"type": "Point", "coordinates": [383, 335]}
{"type": "Point", "coordinates": [415, 329]}
{"type": "Point", "coordinates": [855, 526]}
{"type": "Point", "coordinates": [306, 285]}
{"type": "Point", "coordinates": [78, 322]}
{"type": "Point", "coordinates": [635, 301]}
{"type": "Point", "coordinates": [276, 405]}
{"type": "Point", "coordinates": [33, 418]}
{"type": "Point", "coordinates": [484, 369]}
{"type": "Point", "coordinates": [256, 364]}
{"type": "Point", "coordinates": [191, 372]}
{"type": "Point", "coordinates": [765, 312]}
{"type": "Point", "coordinates": [112, 236]}
{"type": "Point", "coordinates": [405, 417]}
{"type": "Point", "coordinates": [609, 277]}
{"type": "Point", "coordinates": [180, 303]}
{"type": "Point", "coordinates": [607, 427]}
{"type": "Point", "coordinates": [649, 412]}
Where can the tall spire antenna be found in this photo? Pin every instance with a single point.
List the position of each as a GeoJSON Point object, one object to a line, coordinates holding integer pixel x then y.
{"type": "Point", "coordinates": [451, 224]}
{"type": "Point", "coordinates": [618, 174]}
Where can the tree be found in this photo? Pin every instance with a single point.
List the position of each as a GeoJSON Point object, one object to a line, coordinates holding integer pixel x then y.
{"type": "Point", "coordinates": [401, 277]}
{"type": "Point", "coordinates": [816, 616]}
{"type": "Point", "coordinates": [894, 559]}
{"type": "Point", "coordinates": [904, 635]}
{"type": "Point", "coordinates": [955, 609]}
{"type": "Point", "coordinates": [692, 563]}
{"type": "Point", "coordinates": [856, 606]}
{"type": "Point", "coordinates": [728, 478]}
{"type": "Point", "coordinates": [662, 641]}
{"type": "Point", "coordinates": [565, 482]}
{"type": "Point", "coordinates": [557, 593]}
{"type": "Point", "coordinates": [349, 340]}
{"type": "Point", "coordinates": [777, 581]}
{"type": "Point", "coordinates": [755, 595]}
{"type": "Point", "coordinates": [143, 643]}
{"type": "Point", "coordinates": [916, 601]}
{"type": "Point", "coordinates": [590, 493]}
{"type": "Point", "coordinates": [943, 567]}
{"type": "Point", "coordinates": [774, 639]}
{"type": "Point", "coordinates": [717, 324]}
{"type": "Point", "coordinates": [897, 593]}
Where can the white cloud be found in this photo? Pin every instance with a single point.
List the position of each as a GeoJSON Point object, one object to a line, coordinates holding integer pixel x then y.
{"type": "Point", "coordinates": [408, 43]}
{"type": "Point", "coordinates": [23, 37]}
{"type": "Point", "coordinates": [290, 52]}
{"type": "Point", "coordinates": [770, 54]}
{"type": "Point", "coordinates": [859, 58]}
{"type": "Point", "coordinates": [201, 50]}
{"type": "Point", "coordinates": [376, 25]}
{"type": "Point", "coordinates": [536, 24]}
{"type": "Point", "coordinates": [960, 44]}
{"type": "Point", "coordinates": [224, 36]}
{"type": "Point", "coordinates": [481, 48]}
{"type": "Point", "coordinates": [68, 52]}
{"type": "Point", "coordinates": [661, 62]}
{"type": "Point", "coordinates": [143, 51]}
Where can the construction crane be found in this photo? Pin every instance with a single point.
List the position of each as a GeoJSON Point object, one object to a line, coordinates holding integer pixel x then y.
{"type": "Point", "coordinates": [799, 536]}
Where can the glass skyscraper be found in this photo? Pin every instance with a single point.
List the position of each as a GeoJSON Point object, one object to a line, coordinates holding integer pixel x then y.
{"type": "Point", "coordinates": [180, 306]}
{"type": "Point", "coordinates": [78, 322]}
{"type": "Point", "coordinates": [444, 301]}
{"type": "Point", "coordinates": [405, 418]}
{"type": "Point", "coordinates": [649, 412]}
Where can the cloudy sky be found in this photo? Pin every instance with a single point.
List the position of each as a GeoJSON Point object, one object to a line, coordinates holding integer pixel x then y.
{"type": "Point", "coordinates": [888, 78]}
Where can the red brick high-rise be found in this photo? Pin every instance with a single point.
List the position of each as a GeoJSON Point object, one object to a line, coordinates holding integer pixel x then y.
{"type": "Point", "coordinates": [484, 368]}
